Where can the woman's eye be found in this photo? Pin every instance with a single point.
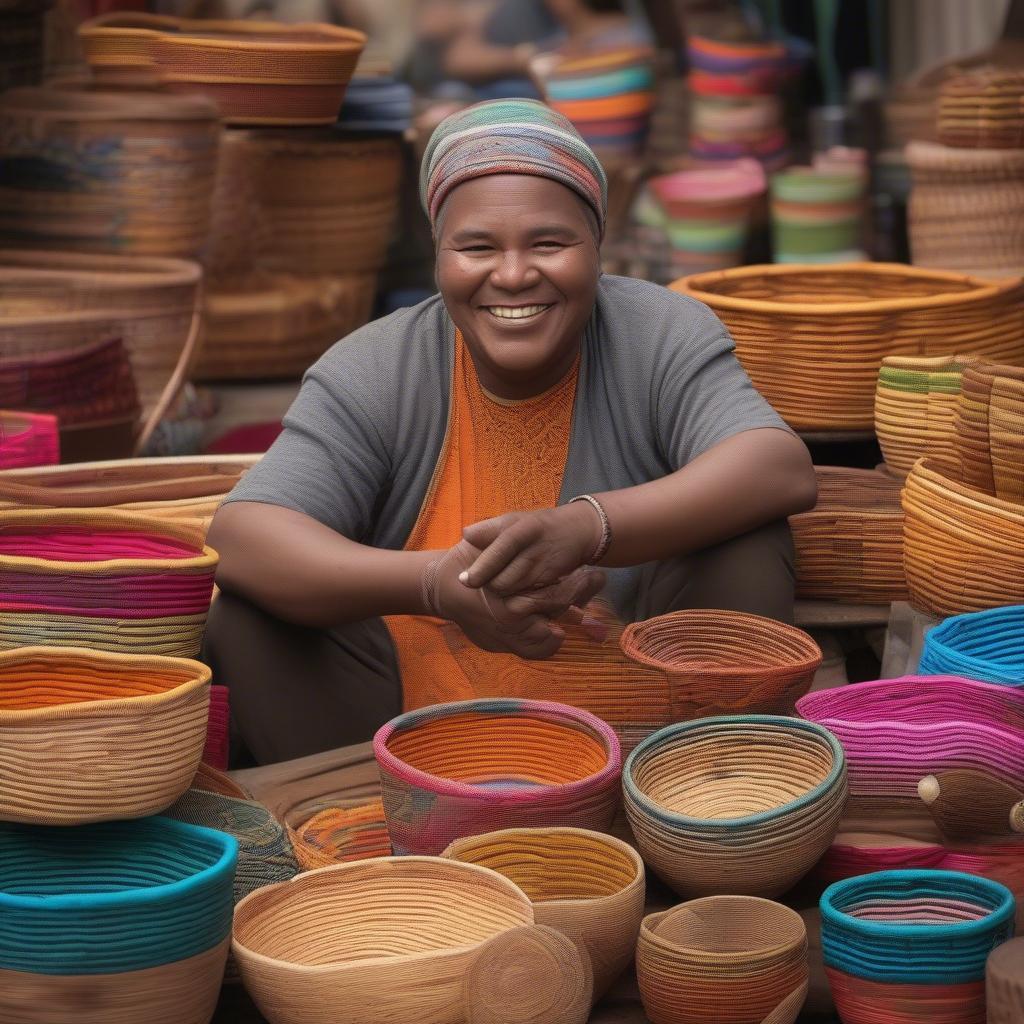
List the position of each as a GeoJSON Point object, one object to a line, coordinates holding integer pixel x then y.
{"type": "Point", "coordinates": [475, 248]}
{"type": "Point", "coordinates": [550, 244]}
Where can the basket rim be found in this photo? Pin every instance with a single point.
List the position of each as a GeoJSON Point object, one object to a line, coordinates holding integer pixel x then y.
{"type": "Point", "coordinates": [155, 461]}
{"type": "Point", "coordinates": [673, 732]}
{"type": "Point", "coordinates": [929, 470]}
{"type": "Point", "coordinates": [63, 104]}
{"type": "Point", "coordinates": [126, 272]}
{"type": "Point", "coordinates": [497, 706]}
{"type": "Point", "coordinates": [981, 291]}
{"type": "Point", "coordinates": [201, 677]}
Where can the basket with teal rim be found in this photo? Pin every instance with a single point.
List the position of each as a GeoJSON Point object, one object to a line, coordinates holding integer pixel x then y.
{"type": "Point", "coordinates": [114, 922]}
{"type": "Point", "coordinates": [986, 645]}
{"type": "Point", "coordinates": [912, 944]}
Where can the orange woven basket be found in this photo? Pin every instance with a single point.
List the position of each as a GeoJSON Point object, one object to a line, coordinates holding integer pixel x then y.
{"type": "Point", "coordinates": [813, 338]}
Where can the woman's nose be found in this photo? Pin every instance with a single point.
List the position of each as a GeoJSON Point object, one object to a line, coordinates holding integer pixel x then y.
{"type": "Point", "coordinates": [514, 271]}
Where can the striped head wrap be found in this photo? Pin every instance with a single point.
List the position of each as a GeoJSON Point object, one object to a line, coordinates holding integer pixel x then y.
{"type": "Point", "coordinates": [515, 136]}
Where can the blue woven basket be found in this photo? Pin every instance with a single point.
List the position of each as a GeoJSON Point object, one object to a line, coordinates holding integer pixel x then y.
{"type": "Point", "coordinates": [986, 645]}
{"type": "Point", "coordinates": [113, 897]}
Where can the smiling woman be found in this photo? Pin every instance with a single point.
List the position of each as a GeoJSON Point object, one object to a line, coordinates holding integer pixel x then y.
{"type": "Point", "coordinates": [426, 527]}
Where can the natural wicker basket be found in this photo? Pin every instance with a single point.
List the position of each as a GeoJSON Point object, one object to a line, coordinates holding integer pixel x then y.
{"type": "Point", "coordinates": [984, 645]}
{"type": "Point", "coordinates": [734, 958]}
{"type": "Point", "coordinates": [586, 885]}
{"type": "Point", "coordinates": [28, 440]}
{"type": "Point", "coordinates": [983, 109]}
{"type": "Point", "coordinates": [724, 662]}
{"type": "Point", "coordinates": [454, 770]}
{"type": "Point", "coordinates": [111, 580]}
{"type": "Point", "coordinates": [813, 338]}
{"type": "Point", "coordinates": [741, 804]}
{"type": "Point", "coordinates": [114, 923]}
{"type": "Point", "coordinates": [849, 547]}
{"type": "Point", "coordinates": [59, 302]}
{"type": "Point", "coordinates": [962, 547]}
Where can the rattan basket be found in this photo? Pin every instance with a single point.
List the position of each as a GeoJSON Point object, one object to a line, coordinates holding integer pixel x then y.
{"type": "Point", "coordinates": [983, 645]}
{"type": "Point", "coordinates": [983, 109]}
{"type": "Point", "coordinates": [813, 338]}
{"type": "Point", "coordinates": [454, 770]}
{"type": "Point", "coordinates": [962, 547]}
{"type": "Point", "coordinates": [727, 958]}
{"type": "Point", "coordinates": [742, 804]}
{"type": "Point", "coordinates": [586, 885]}
{"type": "Point", "coordinates": [724, 662]}
{"type": "Point", "coordinates": [28, 440]}
{"type": "Point", "coordinates": [849, 547]}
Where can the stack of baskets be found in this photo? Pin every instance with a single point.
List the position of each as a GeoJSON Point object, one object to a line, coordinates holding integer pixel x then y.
{"type": "Point", "coordinates": [813, 338]}
{"type": "Point", "coordinates": [983, 645]}
{"type": "Point", "coordinates": [28, 439]}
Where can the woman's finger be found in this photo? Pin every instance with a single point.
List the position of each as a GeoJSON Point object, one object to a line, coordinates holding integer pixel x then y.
{"type": "Point", "coordinates": [499, 554]}
{"type": "Point", "coordinates": [484, 533]}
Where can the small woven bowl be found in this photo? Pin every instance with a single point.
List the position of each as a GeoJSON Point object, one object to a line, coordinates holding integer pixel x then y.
{"type": "Point", "coordinates": [117, 922]}
{"type": "Point", "coordinates": [727, 958]}
{"type": "Point", "coordinates": [985, 645]}
{"type": "Point", "coordinates": [723, 662]}
{"type": "Point", "coordinates": [741, 805]}
{"type": "Point", "coordinates": [586, 885]}
{"type": "Point", "coordinates": [90, 736]}
{"type": "Point", "coordinates": [462, 769]}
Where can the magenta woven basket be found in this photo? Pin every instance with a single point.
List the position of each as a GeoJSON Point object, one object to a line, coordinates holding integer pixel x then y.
{"type": "Point", "coordinates": [463, 769]}
{"type": "Point", "coordinates": [896, 731]}
{"type": "Point", "coordinates": [28, 439]}
{"type": "Point", "coordinates": [215, 754]}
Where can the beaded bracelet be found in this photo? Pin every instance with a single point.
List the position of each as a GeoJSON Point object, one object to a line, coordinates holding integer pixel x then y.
{"type": "Point", "coordinates": [606, 527]}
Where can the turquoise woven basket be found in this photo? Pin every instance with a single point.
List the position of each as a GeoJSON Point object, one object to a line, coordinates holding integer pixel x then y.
{"type": "Point", "coordinates": [985, 645]}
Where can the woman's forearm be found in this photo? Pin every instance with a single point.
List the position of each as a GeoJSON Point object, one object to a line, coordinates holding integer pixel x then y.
{"type": "Point", "coordinates": [303, 572]}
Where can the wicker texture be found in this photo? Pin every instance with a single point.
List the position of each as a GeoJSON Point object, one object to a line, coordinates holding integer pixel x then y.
{"type": "Point", "coordinates": [372, 942]}
{"type": "Point", "coordinates": [28, 439]}
{"type": "Point", "coordinates": [724, 662]}
{"type": "Point", "coordinates": [849, 547]}
{"type": "Point", "coordinates": [790, 322]}
{"type": "Point", "coordinates": [962, 547]}
{"type": "Point", "coordinates": [983, 645]}
{"type": "Point", "coordinates": [105, 579]}
{"type": "Point", "coordinates": [215, 752]}
{"type": "Point", "coordinates": [983, 109]}
{"type": "Point", "coordinates": [742, 804]}
{"type": "Point", "coordinates": [337, 835]}
{"type": "Point", "coordinates": [915, 407]}
{"type": "Point", "coordinates": [467, 768]}
{"type": "Point", "coordinates": [722, 960]}
{"type": "Point", "coordinates": [896, 731]}
{"type": "Point", "coordinates": [586, 885]}
{"type": "Point", "coordinates": [91, 736]}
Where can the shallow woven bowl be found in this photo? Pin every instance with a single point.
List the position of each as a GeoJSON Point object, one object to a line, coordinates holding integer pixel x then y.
{"type": "Point", "coordinates": [724, 662]}
{"type": "Point", "coordinates": [586, 885]}
{"type": "Point", "coordinates": [732, 958]}
{"type": "Point", "coordinates": [742, 804]}
{"type": "Point", "coordinates": [985, 645]}
{"type": "Point", "coordinates": [114, 923]}
{"type": "Point", "coordinates": [462, 769]}
{"type": "Point", "coordinates": [912, 943]}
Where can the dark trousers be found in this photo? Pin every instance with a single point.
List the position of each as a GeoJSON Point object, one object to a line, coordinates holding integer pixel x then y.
{"type": "Point", "coordinates": [298, 691]}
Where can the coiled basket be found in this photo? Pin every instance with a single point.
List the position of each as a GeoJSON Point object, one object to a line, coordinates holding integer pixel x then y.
{"type": "Point", "coordinates": [982, 645]}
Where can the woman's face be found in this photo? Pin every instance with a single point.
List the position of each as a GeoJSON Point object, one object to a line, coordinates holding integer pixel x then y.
{"type": "Point", "coordinates": [517, 266]}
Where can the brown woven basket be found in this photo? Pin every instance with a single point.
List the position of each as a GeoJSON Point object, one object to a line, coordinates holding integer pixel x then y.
{"type": "Point", "coordinates": [813, 338]}
{"type": "Point", "coordinates": [983, 109]}
{"type": "Point", "coordinates": [849, 547]}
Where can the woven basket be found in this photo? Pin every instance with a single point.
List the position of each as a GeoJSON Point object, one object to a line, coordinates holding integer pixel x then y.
{"type": "Point", "coordinates": [984, 645]}
{"type": "Point", "coordinates": [914, 942]}
{"type": "Point", "coordinates": [742, 804]}
{"type": "Point", "coordinates": [962, 547]}
{"type": "Point", "coordinates": [724, 662]}
{"type": "Point", "coordinates": [354, 830]}
{"type": "Point", "coordinates": [215, 751]}
{"type": "Point", "coordinates": [849, 547]}
{"type": "Point", "coordinates": [28, 440]}
{"type": "Point", "coordinates": [1004, 986]}
{"type": "Point", "coordinates": [462, 769]}
{"type": "Point", "coordinates": [813, 338]}
{"type": "Point", "coordinates": [983, 109]}
{"type": "Point", "coordinates": [211, 780]}
{"type": "Point", "coordinates": [723, 958]}
{"type": "Point", "coordinates": [586, 885]}
{"type": "Point", "coordinates": [896, 731]}
{"type": "Point", "coordinates": [116, 581]}
{"type": "Point", "coordinates": [124, 734]}
{"type": "Point", "coordinates": [915, 405]}
{"type": "Point", "coordinates": [114, 923]}
{"type": "Point", "coordinates": [59, 302]}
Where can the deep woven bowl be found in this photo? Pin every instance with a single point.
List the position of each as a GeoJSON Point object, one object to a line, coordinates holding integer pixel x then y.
{"type": "Point", "coordinates": [740, 805]}
{"type": "Point", "coordinates": [121, 921]}
{"type": "Point", "coordinates": [983, 645]}
{"type": "Point", "coordinates": [732, 958]}
{"type": "Point", "coordinates": [724, 662]}
{"type": "Point", "coordinates": [586, 885]}
{"type": "Point", "coordinates": [90, 736]}
{"type": "Point", "coordinates": [455, 770]}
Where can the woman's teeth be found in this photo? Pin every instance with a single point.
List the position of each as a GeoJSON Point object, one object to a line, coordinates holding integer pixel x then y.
{"type": "Point", "coordinates": [515, 312]}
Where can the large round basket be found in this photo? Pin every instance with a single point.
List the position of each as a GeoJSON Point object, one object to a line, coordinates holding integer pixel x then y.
{"type": "Point", "coordinates": [741, 805]}
{"type": "Point", "coordinates": [914, 942]}
{"type": "Point", "coordinates": [724, 662]}
{"type": "Point", "coordinates": [115, 581]}
{"type": "Point", "coordinates": [812, 338]}
{"type": "Point", "coordinates": [981, 645]}
{"type": "Point", "coordinates": [124, 734]}
{"type": "Point", "coordinates": [114, 923]}
{"type": "Point", "coordinates": [462, 769]}
{"type": "Point", "coordinates": [28, 440]}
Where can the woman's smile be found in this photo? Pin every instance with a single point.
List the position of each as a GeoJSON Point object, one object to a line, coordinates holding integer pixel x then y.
{"type": "Point", "coordinates": [510, 314]}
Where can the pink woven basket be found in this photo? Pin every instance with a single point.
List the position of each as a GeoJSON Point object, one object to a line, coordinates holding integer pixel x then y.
{"type": "Point", "coordinates": [28, 439]}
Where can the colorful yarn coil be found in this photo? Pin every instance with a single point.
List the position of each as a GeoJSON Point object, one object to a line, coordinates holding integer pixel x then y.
{"type": "Point", "coordinates": [986, 645]}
